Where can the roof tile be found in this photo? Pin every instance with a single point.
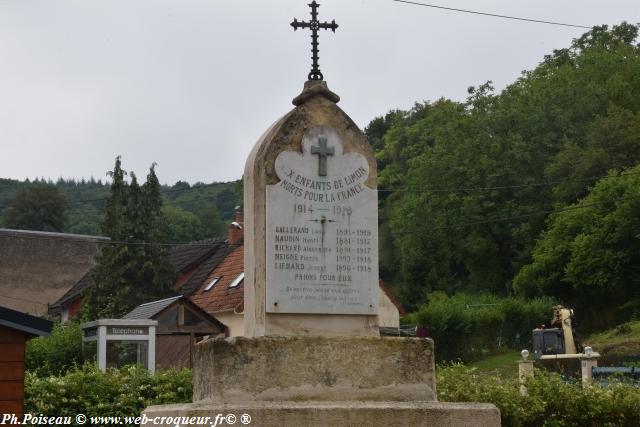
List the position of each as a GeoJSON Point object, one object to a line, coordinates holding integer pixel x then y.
{"type": "Point", "coordinates": [221, 297]}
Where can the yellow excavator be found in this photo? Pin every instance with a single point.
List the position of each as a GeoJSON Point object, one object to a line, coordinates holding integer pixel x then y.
{"type": "Point", "coordinates": [558, 340]}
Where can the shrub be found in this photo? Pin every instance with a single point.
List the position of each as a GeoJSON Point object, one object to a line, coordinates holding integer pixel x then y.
{"type": "Point", "coordinates": [55, 354]}
{"type": "Point", "coordinates": [117, 392]}
{"type": "Point", "coordinates": [550, 400]}
{"type": "Point", "coordinates": [466, 327]}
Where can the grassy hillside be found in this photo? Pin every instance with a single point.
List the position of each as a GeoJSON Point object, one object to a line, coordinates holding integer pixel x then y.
{"type": "Point", "coordinates": [503, 364]}
{"type": "Point", "coordinates": [622, 340]}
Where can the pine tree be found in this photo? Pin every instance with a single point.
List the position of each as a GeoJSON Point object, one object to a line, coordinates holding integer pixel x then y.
{"type": "Point", "coordinates": [114, 212]}
{"type": "Point", "coordinates": [132, 269]}
{"type": "Point", "coordinates": [156, 272]}
{"type": "Point", "coordinates": [107, 276]}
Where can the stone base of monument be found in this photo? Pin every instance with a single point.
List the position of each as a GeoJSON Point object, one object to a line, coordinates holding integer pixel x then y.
{"type": "Point", "coordinates": [334, 414]}
{"type": "Point", "coordinates": [321, 381]}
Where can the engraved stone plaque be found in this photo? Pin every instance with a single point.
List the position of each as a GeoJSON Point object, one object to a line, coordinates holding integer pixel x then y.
{"type": "Point", "coordinates": [322, 230]}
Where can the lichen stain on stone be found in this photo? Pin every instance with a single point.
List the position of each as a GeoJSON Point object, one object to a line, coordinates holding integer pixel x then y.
{"type": "Point", "coordinates": [328, 378]}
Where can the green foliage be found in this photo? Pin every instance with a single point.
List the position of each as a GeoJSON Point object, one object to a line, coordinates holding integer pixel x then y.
{"type": "Point", "coordinates": [550, 401]}
{"type": "Point", "coordinates": [212, 222]}
{"type": "Point", "coordinates": [468, 327]}
{"type": "Point", "coordinates": [41, 207]}
{"type": "Point", "coordinates": [113, 225]}
{"type": "Point", "coordinates": [87, 390]}
{"type": "Point", "coordinates": [467, 185]}
{"type": "Point", "coordinates": [589, 254]}
{"type": "Point", "coordinates": [132, 269]}
{"type": "Point", "coordinates": [182, 226]}
{"type": "Point", "coordinates": [57, 353]}
{"type": "Point", "coordinates": [213, 204]}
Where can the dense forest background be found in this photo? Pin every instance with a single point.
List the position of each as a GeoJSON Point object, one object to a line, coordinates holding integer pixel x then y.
{"type": "Point", "coordinates": [533, 191]}
{"type": "Point", "coordinates": [191, 212]}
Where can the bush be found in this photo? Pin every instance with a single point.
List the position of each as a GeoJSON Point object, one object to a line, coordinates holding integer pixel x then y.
{"type": "Point", "coordinates": [467, 327]}
{"type": "Point", "coordinates": [118, 392]}
{"type": "Point", "coordinates": [550, 400]}
{"type": "Point", "coordinates": [55, 354]}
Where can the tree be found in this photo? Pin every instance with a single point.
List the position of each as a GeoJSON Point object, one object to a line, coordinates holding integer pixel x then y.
{"type": "Point", "coordinates": [132, 268]}
{"type": "Point", "coordinates": [465, 185]}
{"type": "Point", "coordinates": [589, 255]}
{"type": "Point", "coordinates": [113, 225]}
{"type": "Point", "coordinates": [41, 207]}
{"type": "Point", "coordinates": [212, 222]}
{"type": "Point", "coordinates": [182, 226]}
{"type": "Point", "coordinates": [226, 202]}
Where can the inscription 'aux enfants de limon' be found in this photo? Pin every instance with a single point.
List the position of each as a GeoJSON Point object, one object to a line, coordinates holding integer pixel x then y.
{"type": "Point", "coordinates": [335, 190]}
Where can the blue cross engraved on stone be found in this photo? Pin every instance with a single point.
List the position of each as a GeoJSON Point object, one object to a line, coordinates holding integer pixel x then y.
{"type": "Point", "coordinates": [322, 151]}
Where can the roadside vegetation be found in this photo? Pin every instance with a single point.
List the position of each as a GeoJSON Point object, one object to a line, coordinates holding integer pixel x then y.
{"type": "Point", "coordinates": [469, 327]}
{"type": "Point", "coordinates": [117, 392]}
{"type": "Point", "coordinates": [550, 400]}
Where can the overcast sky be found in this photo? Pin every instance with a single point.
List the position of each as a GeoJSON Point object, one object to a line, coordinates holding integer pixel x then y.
{"type": "Point", "coordinates": [192, 84]}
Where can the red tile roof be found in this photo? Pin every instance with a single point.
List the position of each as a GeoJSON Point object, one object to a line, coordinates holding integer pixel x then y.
{"type": "Point", "coordinates": [220, 297]}
{"type": "Point", "coordinates": [193, 262]}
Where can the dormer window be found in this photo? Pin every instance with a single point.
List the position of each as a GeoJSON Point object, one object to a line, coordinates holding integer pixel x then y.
{"type": "Point", "coordinates": [212, 283]}
{"type": "Point", "coordinates": [237, 280]}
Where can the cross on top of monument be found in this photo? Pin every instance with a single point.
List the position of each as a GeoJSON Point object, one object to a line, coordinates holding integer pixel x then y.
{"type": "Point", "coordinates": [314, 25]}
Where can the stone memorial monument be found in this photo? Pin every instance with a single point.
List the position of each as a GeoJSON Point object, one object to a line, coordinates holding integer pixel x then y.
{"type": "Point", "coordinates": [312, 354]}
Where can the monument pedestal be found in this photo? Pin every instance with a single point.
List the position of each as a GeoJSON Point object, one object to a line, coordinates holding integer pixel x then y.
{"type": "Point", "coordinates": [342, 413]}
{"type": "Point", "coordinates": [322, 381]}
{"type": "Point", "coordinates": [307, 368]}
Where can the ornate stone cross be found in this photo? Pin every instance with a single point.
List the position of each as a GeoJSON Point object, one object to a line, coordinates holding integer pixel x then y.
{"type": "Point", "coordinates": [314, 25]}
{"type": "Point", "coordinates": [322, 151]}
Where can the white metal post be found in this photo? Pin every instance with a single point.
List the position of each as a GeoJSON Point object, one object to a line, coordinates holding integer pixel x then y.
{"type": "Point", "coordinates": [151, 351]}
{"type": "Point", "coordinates": [102, 348]}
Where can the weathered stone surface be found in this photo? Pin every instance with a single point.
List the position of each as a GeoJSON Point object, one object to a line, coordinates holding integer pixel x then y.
{"type": "Point", "coordinates": [315, 109]}
{"type": "Point", "coordinates": [315, 414]}
{"type": "Point", "coordinates": [314, 88]}
{"type": "Point", "coordinates": [314, 368]}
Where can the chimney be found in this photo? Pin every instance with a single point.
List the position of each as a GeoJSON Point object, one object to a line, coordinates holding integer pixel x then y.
{"type": "Point", "coordinates": [236, 228]}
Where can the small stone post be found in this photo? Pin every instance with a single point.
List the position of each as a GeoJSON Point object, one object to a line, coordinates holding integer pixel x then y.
{"type": "Point", "coordinates": [588, 361]}
{"type": "Point", "coordinates": [525, 370]}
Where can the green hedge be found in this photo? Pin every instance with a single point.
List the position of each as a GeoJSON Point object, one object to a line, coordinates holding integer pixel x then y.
{"type": "Point", "coordinates": [55, 354]}
{"type": "Point", "coordinates": [467, 327]}
{"type": "Point", "coordinates": [118, 392]}
{"type": "Point", "coordinates": [550, 400]}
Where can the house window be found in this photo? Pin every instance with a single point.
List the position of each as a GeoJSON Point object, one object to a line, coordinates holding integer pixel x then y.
{"type": "Point", "coordinates": [237, 280]}
{"type": "Point", "coordinates": [212, 283]}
